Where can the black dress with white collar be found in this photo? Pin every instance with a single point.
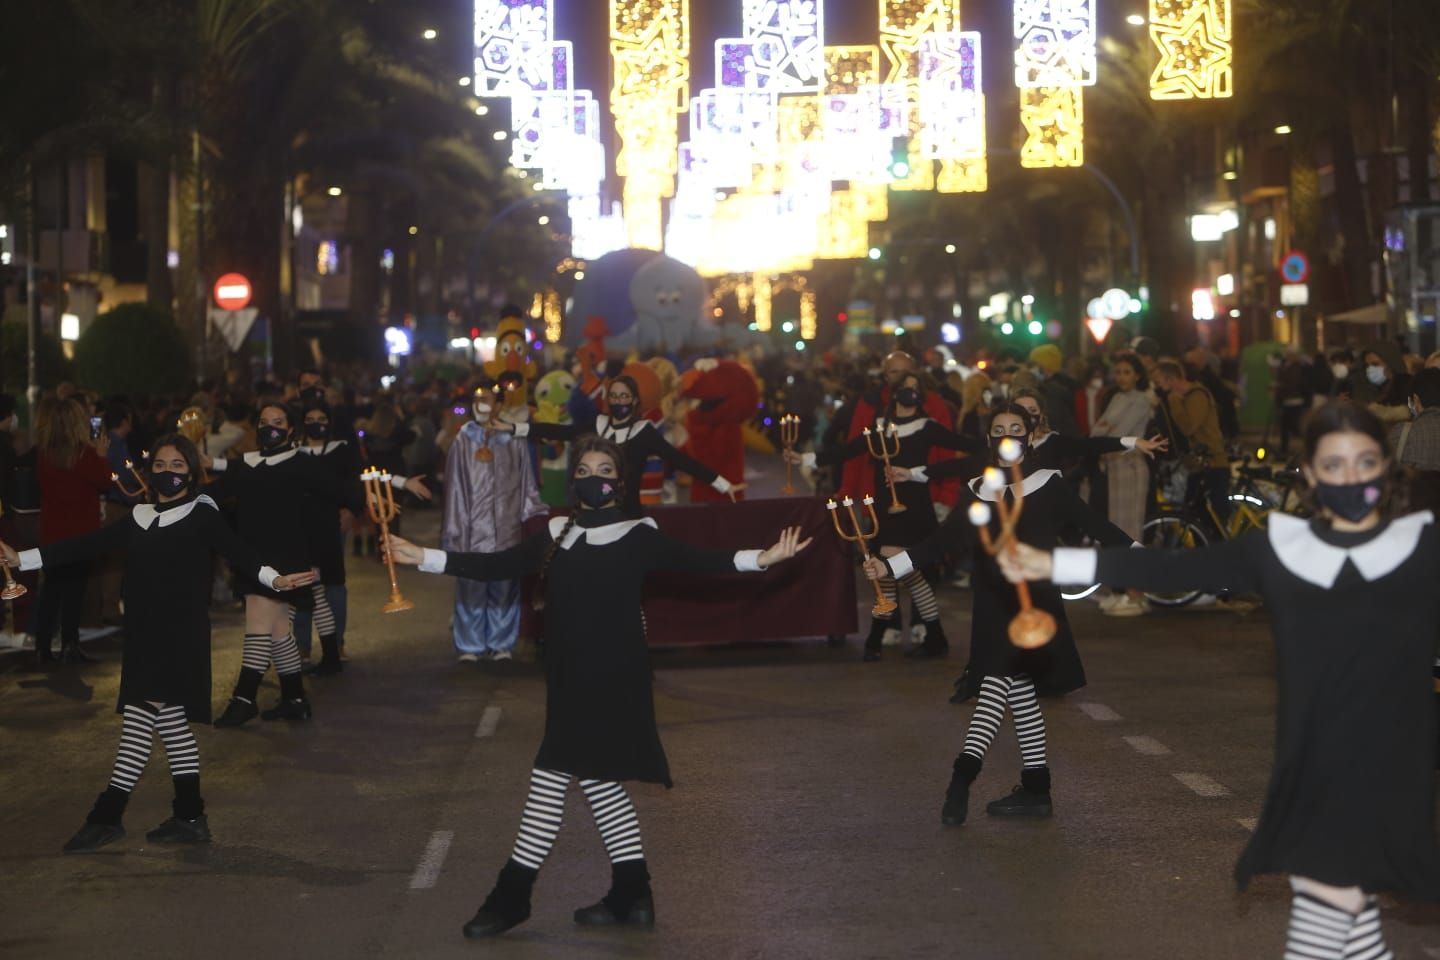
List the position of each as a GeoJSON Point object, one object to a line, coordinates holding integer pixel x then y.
{"type": "Point", "coordinates": [322, 516]}
{"type": "Point", "coordinates": [599, 708]}
{"type": "Point", "coordinates": [1355, 619]}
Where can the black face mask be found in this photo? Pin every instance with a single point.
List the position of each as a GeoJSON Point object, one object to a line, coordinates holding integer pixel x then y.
{"type": "Point", "coordinates": [312, 393]}
{"type": "Point", "coordinates": [594, 492]}
{"type": "Point", "coordinates": [996, 441]}
{"type": "Point", "coordinates": [907, 397]}
{"type": "Point", "coordinates": [271, 438]}
{"type": "Point", "coordinates": [167, 484]}
{"type": "Point", "coordinates": [620, 412]}
{"type": "Point", "coordinates": [1351, 501]}
{"type": "Point", "coordinates": [317, 431]}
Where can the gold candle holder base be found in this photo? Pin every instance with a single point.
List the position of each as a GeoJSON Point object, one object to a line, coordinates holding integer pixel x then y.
{"type": "Point", "coordinates": [399, 605]}
{"type": "Point", "coordinates": [13, 591]}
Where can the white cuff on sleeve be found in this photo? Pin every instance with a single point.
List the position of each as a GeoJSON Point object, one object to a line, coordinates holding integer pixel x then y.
{"type": "Point", "coordinates": [267, 577]}
{"type": "Point", "coordinates": [218, 464]}
{"type": "Point", "coordinates": [522, 430]}
{"type": "Point", "coordinates": [434, 561]}
{"type": "Point", "coordinates": [721, 484]}
{"type": "Point", "coordinates": [919, 475]}
{"type": "Point", "coordinates": [30, 560]}
{"type": "Point", "coordinates": [1129, 442]}
{"type": "Point", "coordinates": [900, 565]}
{"type": "Point", "coordinates": [807, 460]}
{"type": "Point", "coordinates": [398, 482]}
{"type": "Point", "coordinates": [748, 561]}
{"type": "Point", "coordinates": [1073, 566]}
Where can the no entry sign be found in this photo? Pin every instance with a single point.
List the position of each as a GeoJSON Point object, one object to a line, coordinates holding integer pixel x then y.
{"type": "Point", "coordinates": [1295, 268]}
{"type": "Point", "coordinates": [232, 292]}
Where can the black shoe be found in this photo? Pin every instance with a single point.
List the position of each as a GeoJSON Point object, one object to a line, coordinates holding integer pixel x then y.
{"type": "Point", "coordinates": [1030, 799]}
{"type": "Point", "coordinates": [957, 795]}
{"type": "Point", "coordinates": [325, 668]}
{"type": "Point", "coordinates": [492, 923]}
{"type": "Point", "coordinates": [508, 904]}
{"type": "Point", "coordinates": [961, 694]}
{"type": "Point", "coordinates": [293, 710]}
{"type": "Point", "coordinates": [875, 639]}
{"type": "Point", "coordinates": [93, 836]}
{"type": "Point", "coordinates": [936, 644]}
{"type": "Point", "coordinates": [73, 654]}
{"type": "Point", "coordinates": [176, 830]}
{"type": "Point", "coordinates": [237, 712]}
{"type": "Point", "coordinates": [640, 914]}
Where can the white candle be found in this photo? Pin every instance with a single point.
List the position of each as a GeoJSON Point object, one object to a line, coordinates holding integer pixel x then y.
{"type": "Point", "coordinates": [1010, 450]}
{"type": "Point", "coordinates": [992, 481]}
{"type": "Point", "coordinates": [979, 513]}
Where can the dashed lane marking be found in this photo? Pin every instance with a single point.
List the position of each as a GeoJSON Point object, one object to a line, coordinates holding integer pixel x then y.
{"type": "Point", "coordinates": [1147, 746]}
{"type": "Point", "coordinates": [1203, 785]}
{"type": "Point", "coordinates": [1098, 711]}
{"type": "Point", "coordinates": [427, 871]}
{"type": "Point", "coordinates": [1249, 823]}
{"type": "Point", "coordinates": [489, 720]}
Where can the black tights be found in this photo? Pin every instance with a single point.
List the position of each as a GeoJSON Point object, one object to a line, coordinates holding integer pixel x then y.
{"type": "Point", "coordinates": [62, 593]}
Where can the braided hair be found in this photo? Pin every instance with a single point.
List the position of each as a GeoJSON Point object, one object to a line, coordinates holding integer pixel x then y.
{"type": "Point", "coordinates": [590, 444]}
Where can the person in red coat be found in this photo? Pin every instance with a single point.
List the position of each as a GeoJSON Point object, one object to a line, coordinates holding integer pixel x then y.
{"type": "Point", "coordinates": [73, 475]}
{"type": "Point", "coordinates": [728, 397]}
{"type": "Point", "coordinates": [858, 476]}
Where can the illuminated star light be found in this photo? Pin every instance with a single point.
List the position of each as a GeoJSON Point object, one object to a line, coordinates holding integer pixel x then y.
{"type": "Point", "coordinates": [903, 25]}
{"type": "Point", "coordinates": [849, 68]}
{"type": "Point", "coordinates": [1194, 39]}
{"type": "Point", "coordinates": [1055, 43]}
{"type": "Point", "coordinates": [952, 110]}
{"type": "Point", "coordinates": [1054, 122]}
{"type": "Point", "coordinates": [509, 34]}
{"type": "Point", "coordinates": [782, 50]}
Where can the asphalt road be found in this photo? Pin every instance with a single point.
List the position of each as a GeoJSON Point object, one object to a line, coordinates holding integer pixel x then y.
{"type": "Point", "coordinates": [804, 821]}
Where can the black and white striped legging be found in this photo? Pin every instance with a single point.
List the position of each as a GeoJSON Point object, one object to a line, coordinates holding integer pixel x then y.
{"type": "Point", "coordinates": [1018, 693]}
{"type": "Point", "coordinates": [260, 650]}
{"type": "Point", "coordinates": [545, 809]}
{"type": "Point", "coordinates": [138, 727]}
{"type": "Point", "coordinates": [920, 592]}
{"type": "Point", "coordinates": [323, 617]}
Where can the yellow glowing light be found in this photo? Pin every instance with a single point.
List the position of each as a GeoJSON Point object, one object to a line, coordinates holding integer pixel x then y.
{"type": "Point", "coordinates": [845, 228]}
{"type": "Point", "coordinates": [847, 69]}
{"type": "Point", "coordinates": [1194, 40]}
{"type": "Point", "coordinates": [903, 25]}
{"type": "Point", "coordinates": [963, 176]}
{"type": "Point", "coordinates": [1054, 122]}
{"type": "Point", "coordinates": [809, 316]}
{"type": "Point", "coordinates": [553, 316]}
{"type": "Point", "coordinates": [743, 293]}
{"type": "Point", "coordinates": [762, 302]}
{"type": "Point", "coordinates": [537, 306]}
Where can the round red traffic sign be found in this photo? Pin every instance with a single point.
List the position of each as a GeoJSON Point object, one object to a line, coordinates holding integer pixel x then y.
{"type": "Point", "coordinates": [232, 292]}
{"type": "Point", "coordinates": [1295, 268]}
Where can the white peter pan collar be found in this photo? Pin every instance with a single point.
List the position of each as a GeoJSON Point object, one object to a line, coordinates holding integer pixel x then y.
{"type": "Point", "coordinates": [907, 429]}
{"type": "Point", "coordinates": [1028, 486]}
{"type": "Point", "coordinates": [1311, 559]}
{"type": "Point", "coordinates": [596, 536]}
{"type": "Point", "coordinates": [620, 435]}
{"type": "Point", "coordinates": [145, 514]}
{"type": "Point", "coordinates": [330, 447]}
{"type": "Point", "coordinates": [254, 458]}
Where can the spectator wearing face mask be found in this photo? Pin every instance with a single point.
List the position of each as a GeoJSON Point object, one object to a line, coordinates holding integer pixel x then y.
{"type": "Point", "coordinates": [1342, 370]}
{"type": "Point", "coordinates": [1383, 385]}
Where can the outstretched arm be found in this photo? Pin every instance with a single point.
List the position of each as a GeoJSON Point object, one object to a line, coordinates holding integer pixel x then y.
{"type": "Point", "coordinates": [674, 555]}
{"type": "Point", "coordinates": [1083, 516]}
{"type": "Point", "coordinates": [553, 432]}
{"type": "Point", "coordinates": [1230, 566]}
{"type": "Point", "coordinates": [518, 561]}
{"type": "Point", "coordinates": [87, 546]}
{"type": "Point", "coordinates": [648, 443]}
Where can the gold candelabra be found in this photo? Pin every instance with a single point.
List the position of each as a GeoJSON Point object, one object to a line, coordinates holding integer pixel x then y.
{"type": "Point", "coordinates": [884, 606]}
{"type": "Point", "coordinates": [11, 590]}
{"type": "Point", "coordinates": [789, 436]}
{"type": "Point", "coordinates": [380, 500]}
{"type": "Point", "coordinates": [1032, 627]}
{"type": "Point", "coordinates": [889, 440]}
{"type": "Point", "coordinates": [144, 488]}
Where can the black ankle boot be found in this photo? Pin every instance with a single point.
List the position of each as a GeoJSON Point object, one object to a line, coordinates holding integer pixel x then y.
{"type": "Point", "coordinates": [936, 644]}
{"type": "Point", "coordinates": [962, 693]}
{"type": "Point", "coordinates": [102, 826]}
{"type": "Point", "coordinates": [71, 653]}
{"type": "Point", "coordinates": [187, 823]}
{"type": "Point", "coordinates": [957, 795]}
{"type": "Point", "coordinates": [330, 663]}
{"type": "Point", "coordinates": [508, 904]}
{"type": "Point", "coordinates": [1030, 799]}
{"type": "Point", "coordinates": [875, 638]}
{"type": "Point", "coordinates": [236, 712]}
{"type": "Point", "coordinates": [293, 704]}
{"type": "Point", "coordinates": [629, 903]}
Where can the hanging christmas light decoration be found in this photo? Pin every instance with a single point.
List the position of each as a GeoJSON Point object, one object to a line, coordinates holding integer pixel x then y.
{"type": "Point", "coordinates": [1054, 122]}
{"type": "Point", "coordinates": [782, 50]}
{"type": "Point", "coordinates": [903, 25]}
{"type": "Point", "coordinates": [1194, 39]}
{"type": "Point", "coordinates": [1054, 43]}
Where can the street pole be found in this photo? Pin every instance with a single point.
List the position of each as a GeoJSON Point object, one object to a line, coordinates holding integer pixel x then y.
{"type": "Point", "coordinates": [202, 293]}
{"type": "Point", "coordinates": [32, 301]}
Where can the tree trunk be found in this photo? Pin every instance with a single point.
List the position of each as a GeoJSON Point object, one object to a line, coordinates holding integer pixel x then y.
{"type": "Point", "coordinates": [1359, 250]}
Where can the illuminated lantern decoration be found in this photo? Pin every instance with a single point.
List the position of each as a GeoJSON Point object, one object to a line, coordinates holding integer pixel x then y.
{"type": "Point", "coordinates": [763, 302]}
{"type": "Point", "coordinates": [809, 317]}
{"type": "Point", "coordinates": [848, 69]}
{"type": "Point", "coordinates": [952, 111]}
{"type": "Point", "coordinates": [782, 50]}
{"type": "Point", "coordinates": [1054, 122]}
{"type": "Point", "coordinates": [1194, 40]}
{"type": "Point", "coordinates": [512, 40]}
{"type": "Point", "coordinates": [903, 25]}
{"type": "Point", "coordinates": [1055, 43]}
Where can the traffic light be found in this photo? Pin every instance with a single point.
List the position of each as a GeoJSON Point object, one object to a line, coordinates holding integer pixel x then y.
{"type": "Point", "coordinates": [900, 158]}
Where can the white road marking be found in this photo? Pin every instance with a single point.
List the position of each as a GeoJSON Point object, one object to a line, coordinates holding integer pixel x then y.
{"type": "Point", "coordinates": [1147, 746]}
{"type": "Point", "coordinates": [1203, 785]}
{"type": "Point", "coordinates": [1249, 823]}
{"type": "Point", "coordinates": [1098, 711]}
{"type": "Point", "coordinates": [427, 871]}
{"type": "Point", "coordinates": [489, 720]}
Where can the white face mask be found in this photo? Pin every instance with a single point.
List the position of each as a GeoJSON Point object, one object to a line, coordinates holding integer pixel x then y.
{"type": "Point", "coordinates": [1097, 384]}
{"type": "Point", "coordinates": [1376, 375]}
{"type": "Point", "coordinates": [1339, 370]}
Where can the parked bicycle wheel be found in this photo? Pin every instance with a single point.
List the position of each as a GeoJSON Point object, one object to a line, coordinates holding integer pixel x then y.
{"type": "Point", "coordinates": [1173, 531]}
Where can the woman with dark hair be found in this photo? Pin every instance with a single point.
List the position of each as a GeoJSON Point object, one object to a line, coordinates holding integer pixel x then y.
{"type": "Point", "coordinates": [165, 670]}
{"type": "Point", "coordinates": [626, 426]}
{"type": "Point", "coordinates": [1349, 812]}
{"type": "Point", "coordinates": [1000, 674]}
{"type": "Point", "coordinates": [73, 475]}
{"type": "Point", "coordinates": [599, 710]}
{"type": "Point", "coordinates": [270, 488]}
{"type": "Point", "coordinates": [917, 435]}
{"type": "Point", "coordinates": [1127, 475]}
{"type": "Point", "coordinates": [341, 459]}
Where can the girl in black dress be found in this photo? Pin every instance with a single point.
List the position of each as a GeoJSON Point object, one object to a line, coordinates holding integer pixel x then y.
{"type": "Point", "coordinates": [599, 709]}
{"type": "Point", "coordinates": [1349, 812]}
{"type": "Point", "coordinates": [165, 670]}
{"type": "Point", "coordinates": [322, 534]}
{"type": "Point", "coordinates": [270, 488]}
{"type": "Point", "coordinates": [636, 436]}
{"type": "Point", "coordinates": [918, 436]}
{"type": "Point", "coordinates": [1000, 674]}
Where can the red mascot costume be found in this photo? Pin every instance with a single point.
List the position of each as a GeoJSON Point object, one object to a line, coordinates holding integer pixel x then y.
{"type": "Point", "coordinates": [727, 398]}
